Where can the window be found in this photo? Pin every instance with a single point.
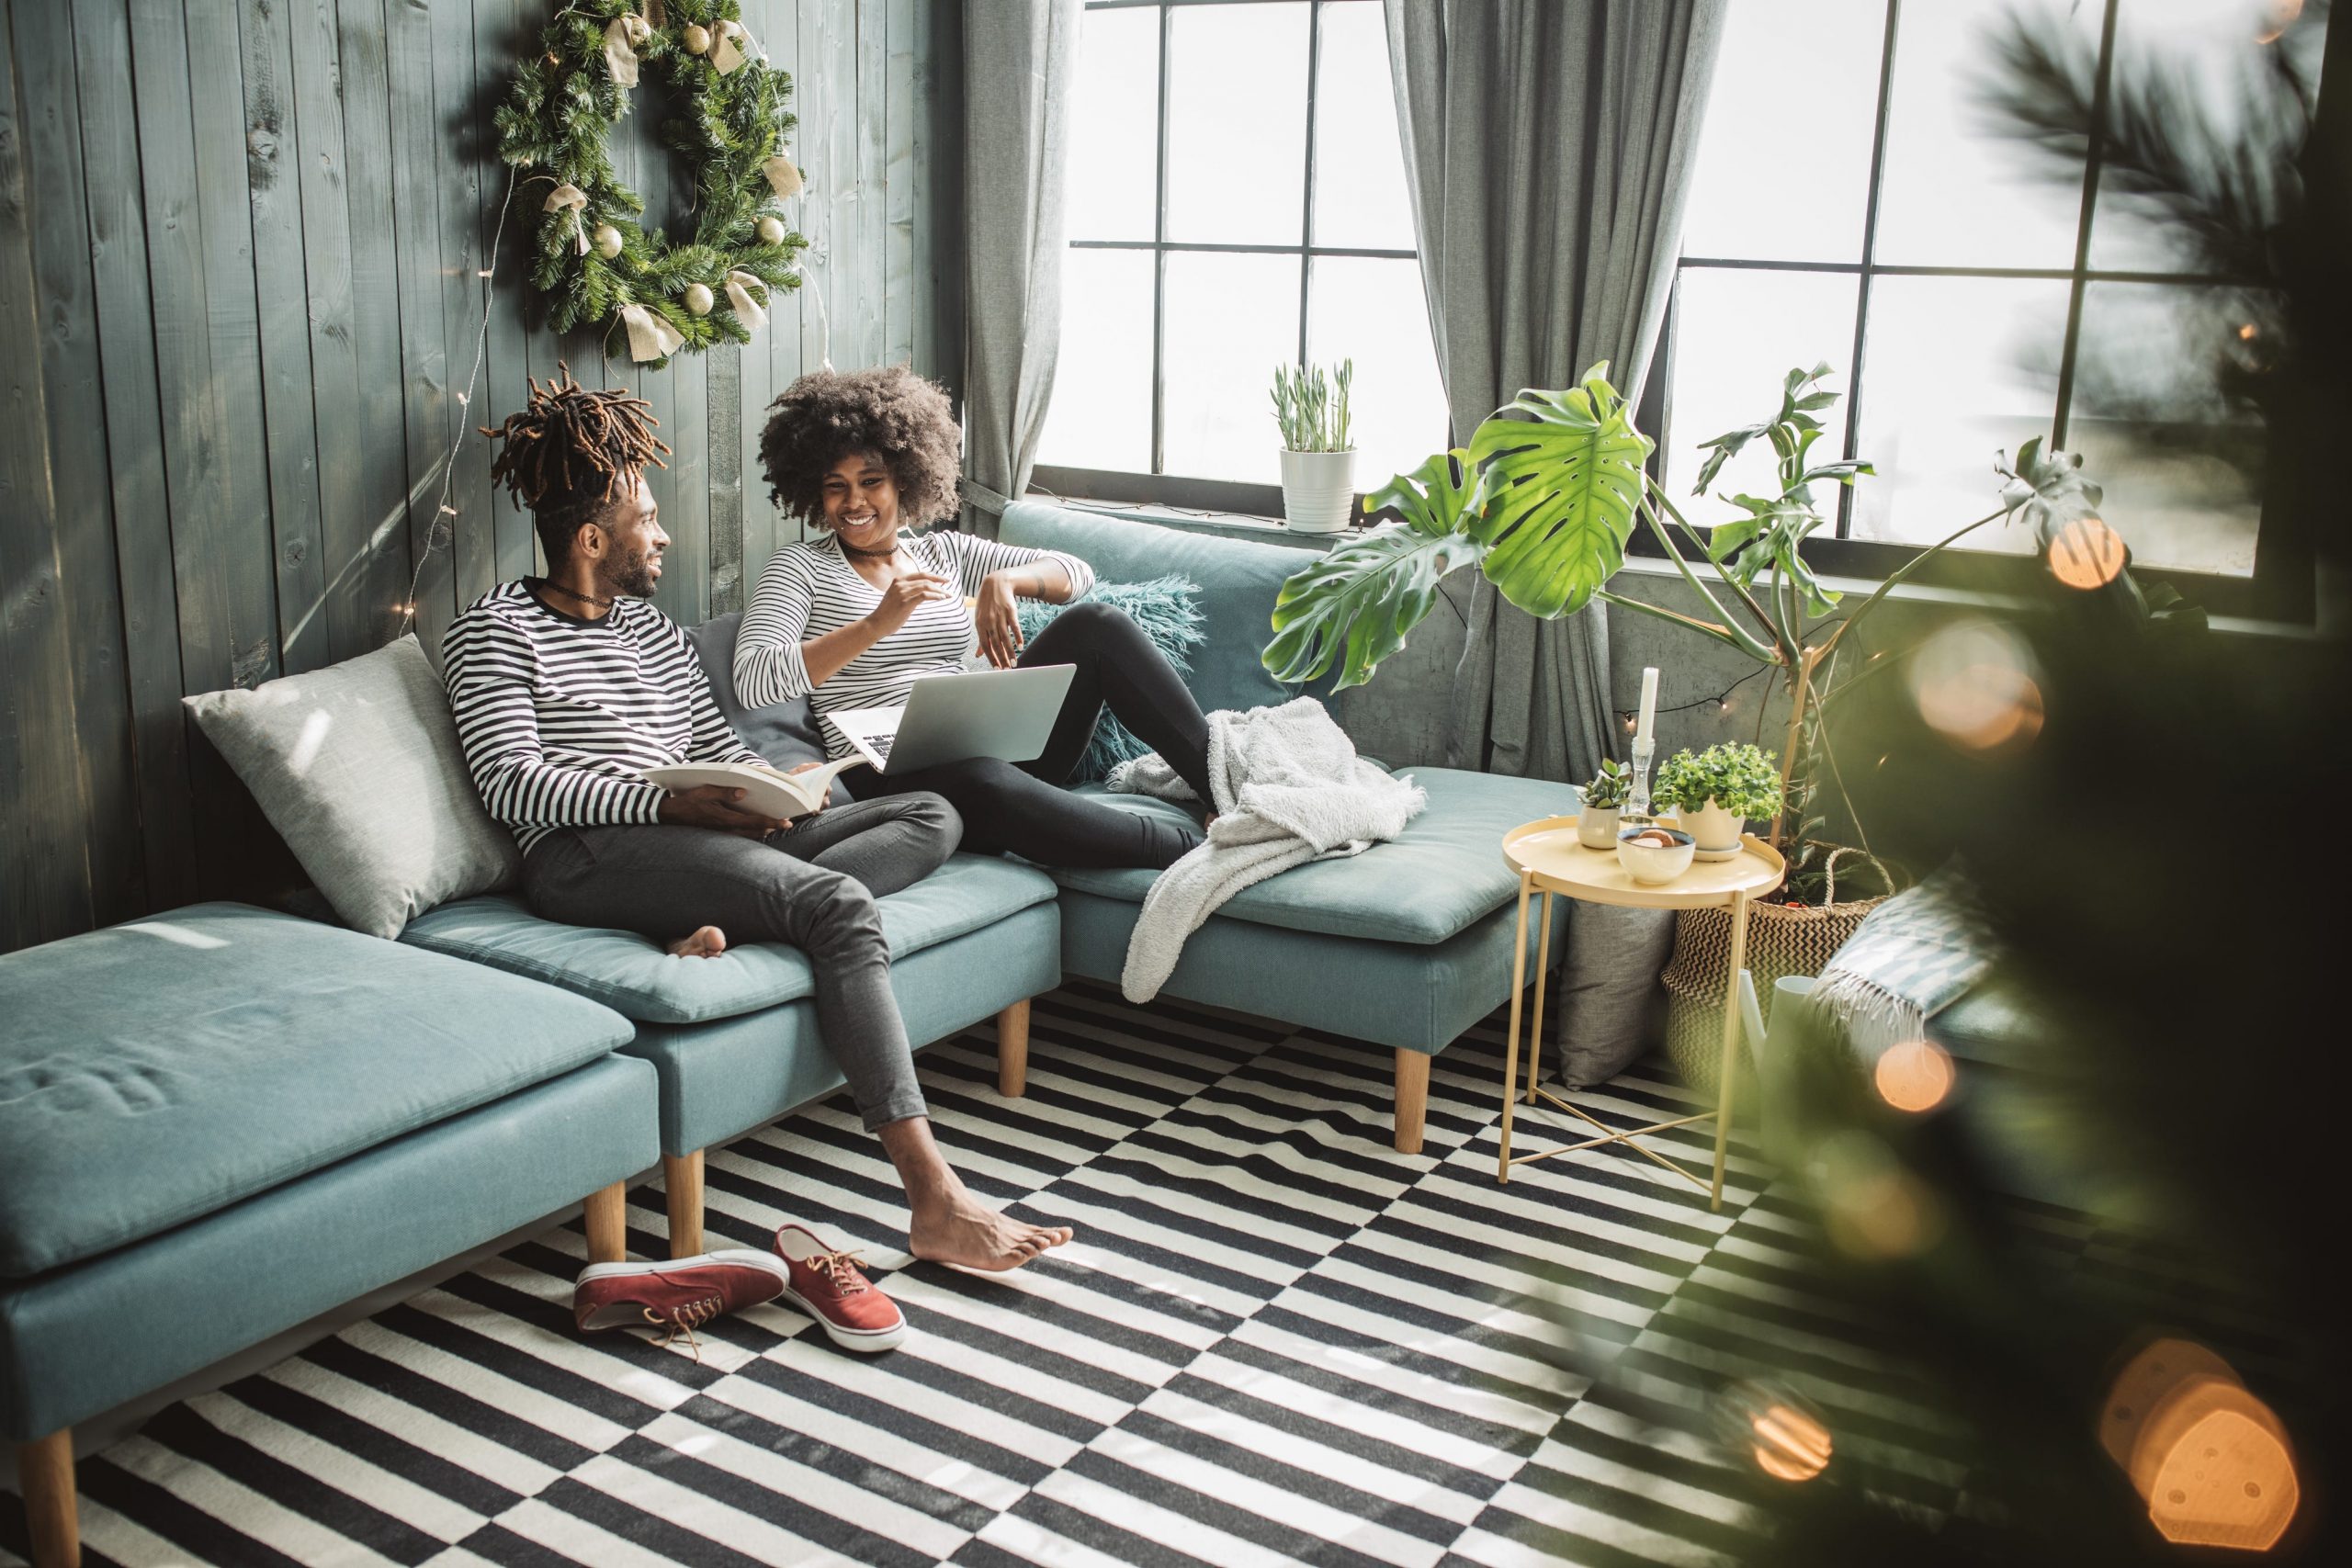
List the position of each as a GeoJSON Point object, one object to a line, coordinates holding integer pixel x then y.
{"type": "Point", "coordinates": [1894, 188]}
{"type": "Point", "coordinates": [1236, 201]}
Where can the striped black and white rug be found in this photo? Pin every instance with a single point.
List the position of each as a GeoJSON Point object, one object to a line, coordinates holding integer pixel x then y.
{"type": "Point", "coordinates": [1274, 1341]}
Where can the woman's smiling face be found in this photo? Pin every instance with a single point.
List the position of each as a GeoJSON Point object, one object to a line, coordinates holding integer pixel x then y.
{"type": "Point", "coordinates": [862, 501]}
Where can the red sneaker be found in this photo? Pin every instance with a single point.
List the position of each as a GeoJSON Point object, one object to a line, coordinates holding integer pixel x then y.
{"type": "Point", "coordinates": [827, 1285]}
{"type": "Point", "coordinates": [680, 1295]}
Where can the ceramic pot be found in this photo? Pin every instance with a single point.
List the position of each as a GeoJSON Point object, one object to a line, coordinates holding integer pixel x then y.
{"type": "Point", "coordinates": [1596, 826]}
{"type": "Point", "coordinates": [1716, 829]}
{"type": "Point", "coordinates": [1319, 490]}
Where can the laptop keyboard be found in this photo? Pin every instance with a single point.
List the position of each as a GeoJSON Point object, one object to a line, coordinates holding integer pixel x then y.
{"type": "Point", "coordinates": [881, 744]}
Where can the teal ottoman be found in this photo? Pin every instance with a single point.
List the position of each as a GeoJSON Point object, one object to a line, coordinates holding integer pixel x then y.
{"type": "Point", "coordinates": [733, 1040]}
{"type": "Point", "coordinates": [220, 1122]}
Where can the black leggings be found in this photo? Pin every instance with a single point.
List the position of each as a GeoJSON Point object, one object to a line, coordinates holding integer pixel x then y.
{"type": "Point", "coordinates": [1021, 807]}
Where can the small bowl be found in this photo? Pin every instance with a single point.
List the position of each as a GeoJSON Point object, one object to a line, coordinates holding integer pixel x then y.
{"type": "Point", "coordinates": [1650, 866]}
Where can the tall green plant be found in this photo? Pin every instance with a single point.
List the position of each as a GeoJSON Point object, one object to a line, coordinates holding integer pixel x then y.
{"type": "Point", "coordinates": [1311, 406]}
{"type": "Point", "coordinates": [1545, 498]}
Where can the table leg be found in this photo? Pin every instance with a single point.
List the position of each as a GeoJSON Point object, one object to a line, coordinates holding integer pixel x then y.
{"type": "Point", "coordinates": [1535, 1025]}
{"type": "Point", "coordinates": [1731, 1042]}
{"type": "Point", "coordinates": [1510, 1046]}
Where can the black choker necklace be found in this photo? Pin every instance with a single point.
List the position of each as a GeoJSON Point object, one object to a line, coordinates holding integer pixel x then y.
{"type": "Point", "coordinates": [582, 598]}
{"type": "Point", "coordinates": [876, 555]}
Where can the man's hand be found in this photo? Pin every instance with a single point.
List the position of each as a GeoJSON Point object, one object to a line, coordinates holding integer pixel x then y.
{"type": "Point", "coordinates": [715, 805]}
{"type": "Point", "coordinates": [998, 620]}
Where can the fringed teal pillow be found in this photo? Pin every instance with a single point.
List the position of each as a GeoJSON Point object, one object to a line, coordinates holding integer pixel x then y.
{"type": "Point", "coordinates": [1169, 611]}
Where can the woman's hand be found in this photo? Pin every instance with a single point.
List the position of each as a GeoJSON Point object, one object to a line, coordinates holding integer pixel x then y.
{"type": "Point", "coordinates": [998, 620]}
{"type": "Point", "coordinates": [716, 806]}
{"type": "Point", "coordinates": [907, 591]}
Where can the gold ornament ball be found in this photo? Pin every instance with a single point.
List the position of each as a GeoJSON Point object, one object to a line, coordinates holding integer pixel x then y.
{"type": "Point", "coordinates": [698, 298]}
{"type": "Point", "coordinates": [552, 58]}
{"type": "Point", "coordinates": [609, 241]}
{"type": "Point", "coordinates": [770, 231]}
{"type": "Point", "coordinates": [698, 39]}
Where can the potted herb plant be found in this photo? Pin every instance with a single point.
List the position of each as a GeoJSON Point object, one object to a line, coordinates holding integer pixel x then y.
{"type": "Point", "coordinates": [1319, 455]}
{"type": "Point", "coordinates": [1716, 793]}
{"type": "Point", "coordinates": [1604, 798]}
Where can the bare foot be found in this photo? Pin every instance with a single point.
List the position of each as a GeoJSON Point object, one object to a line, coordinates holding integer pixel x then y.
{"type": "Point", "coordinates": [964, 1231]}
{"type": "Point", "coordinates": [707, 941]}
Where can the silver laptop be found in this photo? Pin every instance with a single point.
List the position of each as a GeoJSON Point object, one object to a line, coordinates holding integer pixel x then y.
{"type": "Point", "coordinates": [1007, 714]}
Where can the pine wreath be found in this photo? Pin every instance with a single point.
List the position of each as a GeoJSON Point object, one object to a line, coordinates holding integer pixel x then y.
{"type": "Point", "coordinates": [596, 262]}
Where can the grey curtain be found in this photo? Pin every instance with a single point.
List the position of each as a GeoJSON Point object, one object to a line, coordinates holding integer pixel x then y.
{"type": "Point", "coordinates": [1020, 76]}
{"type": "Point", "coordinates": [1549, 145]}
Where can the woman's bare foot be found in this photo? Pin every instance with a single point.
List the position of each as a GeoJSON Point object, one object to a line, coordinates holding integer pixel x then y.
{"type": "Point", "coordinates": [962, 1230]}
{"type": "Point", "coordinates": [707, 941]}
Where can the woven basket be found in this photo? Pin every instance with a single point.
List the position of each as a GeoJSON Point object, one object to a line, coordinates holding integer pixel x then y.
{"type": "Point", "coordinates": [1781, 940]}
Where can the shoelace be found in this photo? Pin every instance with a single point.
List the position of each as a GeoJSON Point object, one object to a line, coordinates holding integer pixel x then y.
{"type": "Point", "coordinates": [684, 1319]}
{"type": "Point", "coordinates": [840, 1268]}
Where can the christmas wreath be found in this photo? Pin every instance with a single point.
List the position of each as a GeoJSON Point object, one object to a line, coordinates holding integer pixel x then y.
{"type": "Point", "coordinates": [596, 262]}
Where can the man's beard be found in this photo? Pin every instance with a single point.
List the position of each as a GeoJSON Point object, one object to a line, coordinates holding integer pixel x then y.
{"type": "Point", "coordinates": [633, 577]}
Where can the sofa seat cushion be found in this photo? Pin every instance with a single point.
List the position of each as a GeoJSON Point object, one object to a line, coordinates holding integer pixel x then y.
{"type": "Point", "coordinates": [1434, 881]}
{"type": "Point", "coordinates": [155, 1072]}
{"type": "Point", "coordinates": [632, 975]}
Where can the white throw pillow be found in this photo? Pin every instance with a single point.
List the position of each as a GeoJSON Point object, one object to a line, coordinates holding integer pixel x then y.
{"type": "Point", "coordinates": [358, 766]}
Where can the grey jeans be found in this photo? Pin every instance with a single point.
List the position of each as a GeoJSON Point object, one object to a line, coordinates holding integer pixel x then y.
{"type": "Point", "coordinates": [812, 884]}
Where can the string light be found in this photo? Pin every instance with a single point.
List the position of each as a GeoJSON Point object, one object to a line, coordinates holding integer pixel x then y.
{"type": "Point", "coordinates": [1721, 699]}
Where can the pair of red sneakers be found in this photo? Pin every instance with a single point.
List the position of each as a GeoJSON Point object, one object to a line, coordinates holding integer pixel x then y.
{"type": "Point", "coordinates": [686, 1293]}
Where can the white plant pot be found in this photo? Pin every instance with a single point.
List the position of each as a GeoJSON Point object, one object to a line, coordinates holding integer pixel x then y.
{"type": "Point", "coordinates": [1318, 489]}
{"type": "Point", "coordinates": [1716, 829]}
{"type": "Point", "coordinates": [1596, 826]}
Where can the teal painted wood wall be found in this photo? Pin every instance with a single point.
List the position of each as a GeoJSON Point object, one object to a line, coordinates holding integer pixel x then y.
{"type": "Point", "coordinates": [239, 247]}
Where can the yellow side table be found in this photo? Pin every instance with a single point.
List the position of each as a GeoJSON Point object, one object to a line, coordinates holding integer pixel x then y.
{"type": "Point", "coordinates": [1549, 860]}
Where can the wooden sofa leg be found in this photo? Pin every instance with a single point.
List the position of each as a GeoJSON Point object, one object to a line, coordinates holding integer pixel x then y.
{"type": "Point", "coordinates": [682, 1185]}
{"type": "Point", "coordinates": [1013, 1051]}
{"type": "Point", "coordinates": [608, 1223]}
{"type": "Point", "coordinates": [45, 1470]}
{"type": "Point", "coordinates": [1412, 1098]}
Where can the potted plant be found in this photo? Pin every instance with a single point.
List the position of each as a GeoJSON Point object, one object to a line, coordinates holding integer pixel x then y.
{"type": "Point", "coordinates": [1716, 793]}
{"type": "Point", "coordinates": [1319, 458]}
{"type": "Point", "coordinates": [1604, 798]}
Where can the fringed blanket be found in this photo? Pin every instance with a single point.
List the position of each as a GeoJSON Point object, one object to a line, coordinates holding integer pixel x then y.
{"type": "Point", "coordinates": [1915, 956]}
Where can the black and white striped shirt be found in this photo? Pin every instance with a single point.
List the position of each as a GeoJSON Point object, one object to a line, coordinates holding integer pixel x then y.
{"type": "Point", "coordinates": [810, 588]}
{"type": "Point", "coordinates": [560, 717]}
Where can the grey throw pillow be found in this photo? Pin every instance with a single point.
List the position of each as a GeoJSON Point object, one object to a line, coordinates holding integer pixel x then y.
{"type": "Point", "coordinates": [785, 733]}
{"type": "Point", "coordinates": [1609, 996]}
{"type": "Point", "coordinates": [358, 766]}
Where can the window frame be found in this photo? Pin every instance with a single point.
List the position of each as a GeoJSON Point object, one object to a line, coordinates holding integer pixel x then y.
{"type": "Point", "coordinates": [1158, 486]}
{"type": "Point", "coordinates": [2279, 586]}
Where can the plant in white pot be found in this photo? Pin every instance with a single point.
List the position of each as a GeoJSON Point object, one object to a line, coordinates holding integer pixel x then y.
{"type": "Point", "coordinates": [1319, 453]}
{"type": "Point", "coordinates": [1602, 800]}
{"type": "Point", "coordinates": [1716, 793]}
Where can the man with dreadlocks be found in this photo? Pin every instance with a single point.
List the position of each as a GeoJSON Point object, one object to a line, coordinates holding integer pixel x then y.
{"type": "Point", "coordinates": [568, 687]}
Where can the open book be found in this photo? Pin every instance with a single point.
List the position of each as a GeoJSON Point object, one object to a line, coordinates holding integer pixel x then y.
{"type": "Point", "coordinates": [766, 790]}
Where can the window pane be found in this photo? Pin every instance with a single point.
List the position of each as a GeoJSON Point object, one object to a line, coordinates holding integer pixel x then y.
{"type": "Point", "coordinates": [1237, 123]}
{"type": "Point", "coordinates": [1771, 185]}
{"type": "Point", "coordinates": [1737, 335]}
{"type": "Point", "coordinates": [1360, 196]}
{"type": "Point", "coordinates": [1372, 311]}
{"type": "Point", "coordinates": [1956, 190]}
{"type": "Point", "coordinates": [1114, 128]}
{"type": "Point", "coordinates": [2198, 71]}
{"type": "Point", "coordinates": [1231, 318]}
{"type": "Point", "coordinates": [1101, 413]}
{"type": "Point", "coordinates": [1955, 370]}
{"type": "Point", "coordinates": [2163, 417]}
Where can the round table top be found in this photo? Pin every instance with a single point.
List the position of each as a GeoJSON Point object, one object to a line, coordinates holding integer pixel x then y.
{"type": "Point", "coordinates": [1548, 850]}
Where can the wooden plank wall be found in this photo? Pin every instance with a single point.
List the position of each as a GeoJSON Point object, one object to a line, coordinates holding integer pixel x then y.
{"type": "Point", "coordinates": [239, 249]}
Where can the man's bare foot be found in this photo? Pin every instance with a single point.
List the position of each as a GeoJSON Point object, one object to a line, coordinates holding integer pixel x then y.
{"type": "Point", "coordinates": [964, 1231]}
{"type": "Point", "coordinates": [707, 941]}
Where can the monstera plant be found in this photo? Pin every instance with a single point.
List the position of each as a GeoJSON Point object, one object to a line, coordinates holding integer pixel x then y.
{"type": "Point", "coordinates": [1544, 500]}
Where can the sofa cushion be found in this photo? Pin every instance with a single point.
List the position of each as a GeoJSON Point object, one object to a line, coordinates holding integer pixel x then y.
{"type": "Point", "coordinates": [1433, 881]}
{"type": "Point", "coordinates": [632, 975]}
{"type": "Point", "coordinates": [157, 1071]}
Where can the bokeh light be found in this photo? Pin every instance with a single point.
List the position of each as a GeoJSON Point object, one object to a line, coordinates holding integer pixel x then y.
{"type": "Point", "coordinates": [1773, 1428]}
{"type": "Point", "coordinates": [2087, 553]}
{"type": "Point", "coordinates": [1913, 1075]}
{"type": "Point", "coordinates": [2279, 16]}
{"type": "Point", "coordinates": [1973, 683]}
{"type": "Point", "coordinates": [2211, 1460]}
{"type": "Point", "coordinates": [1874, 1207]}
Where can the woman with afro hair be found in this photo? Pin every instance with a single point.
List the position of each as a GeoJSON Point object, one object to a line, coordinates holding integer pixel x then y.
{"type": "Point", "coordinates": [852, 618]}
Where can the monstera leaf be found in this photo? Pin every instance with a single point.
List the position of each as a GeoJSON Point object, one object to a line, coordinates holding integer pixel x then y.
{"type": "Point", "coordinates": [2046, 490]}
{"type": "Point", "coordinates": [1559, 490]}
{"type": "Point", "coordinates": [1355, 604]}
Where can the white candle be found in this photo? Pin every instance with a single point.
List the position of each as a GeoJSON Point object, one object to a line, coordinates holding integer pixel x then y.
{"type": "Point", "coordinates": [1649, 705]}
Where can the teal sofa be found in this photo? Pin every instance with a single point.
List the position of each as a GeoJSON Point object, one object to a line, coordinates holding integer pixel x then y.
{"type": "Point", "coordinates": [220, 1122]}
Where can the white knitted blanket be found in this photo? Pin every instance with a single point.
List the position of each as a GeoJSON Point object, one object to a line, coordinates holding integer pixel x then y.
{"type": "Point", "coordinates": [1289, 788]}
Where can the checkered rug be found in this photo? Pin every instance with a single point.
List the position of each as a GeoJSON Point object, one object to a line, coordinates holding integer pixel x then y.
{"type": "Point", "coordinates": [1275, 1340]}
